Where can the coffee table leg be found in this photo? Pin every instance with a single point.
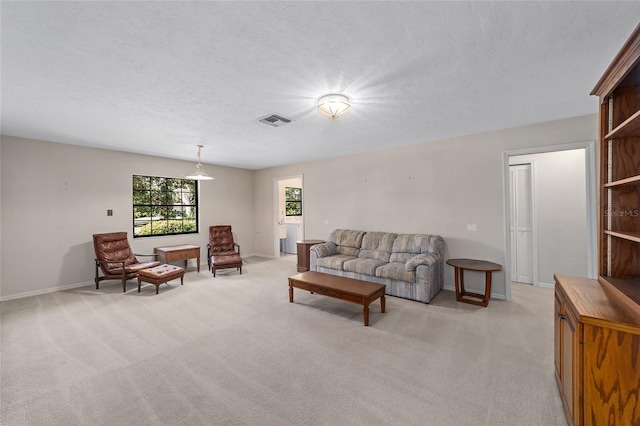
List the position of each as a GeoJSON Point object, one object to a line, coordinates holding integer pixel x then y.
{"type": "Point", "coordinates": [290, 294]}
{"type": "Point", "coordinates": [138, 284]}
{"type": "Point", "coordinates": [382, 304]}
{"type": "Point", "coordinates": [365, 311]}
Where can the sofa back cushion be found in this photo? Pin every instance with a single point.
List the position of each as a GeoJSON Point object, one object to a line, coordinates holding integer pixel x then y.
{"type": "Point", "coordinates": [405, 246]}
{"type": "Point", "coordinates": [377, 245]}
{"type": "Point", "coordinates": [347, 241]}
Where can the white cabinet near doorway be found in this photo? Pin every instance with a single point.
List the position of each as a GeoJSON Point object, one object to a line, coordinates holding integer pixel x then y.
{"type": "Point", "coordinates": [294, 233]}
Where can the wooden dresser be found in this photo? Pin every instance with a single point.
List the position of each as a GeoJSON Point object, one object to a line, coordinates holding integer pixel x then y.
{"type": "Point", "coordinates": [597, 354]}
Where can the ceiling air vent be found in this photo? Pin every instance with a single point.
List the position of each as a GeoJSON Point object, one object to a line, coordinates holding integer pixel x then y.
{"type": "Point", "coordinates": [275, 120]}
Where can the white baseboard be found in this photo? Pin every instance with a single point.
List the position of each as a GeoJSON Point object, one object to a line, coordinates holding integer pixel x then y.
{"type": "Point", "coordinates": [203, 268]}
{"type": "Point", "coordinates": [45, 291]}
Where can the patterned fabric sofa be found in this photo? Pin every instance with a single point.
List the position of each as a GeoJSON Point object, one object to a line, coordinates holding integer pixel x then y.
{"type": "Point", "coordinates": [411, 265]}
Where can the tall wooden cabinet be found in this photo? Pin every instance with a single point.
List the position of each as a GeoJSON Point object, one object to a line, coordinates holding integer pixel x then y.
{"type": "Point", "coordinates": [619, 171]}
{"type": "Point", "coordinates": [597, 323]}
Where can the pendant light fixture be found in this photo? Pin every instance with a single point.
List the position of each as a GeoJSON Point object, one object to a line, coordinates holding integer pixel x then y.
{"type": "Point", "coordinates": [333, 105]}
{"type": "Point", "coordinates": [199, 174]}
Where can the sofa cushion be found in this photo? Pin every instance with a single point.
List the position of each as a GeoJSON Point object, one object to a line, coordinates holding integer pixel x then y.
{"type": "Point", "coordinates": [377, 245]}
{"type": "Point", "coordinates": [396, 271]}
{"type": "Point", "coordinates": [405, 246]}
{"type": "Point", "coordinates": [363, 265]}
{"type": "Point", "coordinates": [347, 241]}
{"type": "Point", "coordinates": [333, 262]}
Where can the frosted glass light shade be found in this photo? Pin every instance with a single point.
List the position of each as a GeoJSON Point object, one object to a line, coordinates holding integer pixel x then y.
{"type": "Point", "coordinates": [333, 105]}
{"type": "Point", "coordinates": [199, 174]}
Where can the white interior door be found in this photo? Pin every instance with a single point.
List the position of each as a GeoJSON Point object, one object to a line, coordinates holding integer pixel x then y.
{"type": "Point", "coordinates": [521, 223]}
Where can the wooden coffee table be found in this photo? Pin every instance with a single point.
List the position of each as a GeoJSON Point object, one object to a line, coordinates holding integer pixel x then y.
{"type": "Point", "coordinates": [349, 289]}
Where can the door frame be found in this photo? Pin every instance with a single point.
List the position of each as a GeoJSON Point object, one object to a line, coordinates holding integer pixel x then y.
{"type": "Point", "coordinates": [276, 194]}
{"type": "Point", "coordinates": [591, 198]}
{"type": "Point", "coordinates": [534, 221]}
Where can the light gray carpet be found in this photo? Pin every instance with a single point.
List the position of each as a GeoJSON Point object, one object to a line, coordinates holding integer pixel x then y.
{"type": "Point", "coordinates": [233, 350]}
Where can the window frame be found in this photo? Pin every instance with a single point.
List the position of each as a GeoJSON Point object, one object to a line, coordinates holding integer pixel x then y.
{"type": "Point", "coordinates": [295, 201]}
{"type": "Point", "coordinates": [171, 202]}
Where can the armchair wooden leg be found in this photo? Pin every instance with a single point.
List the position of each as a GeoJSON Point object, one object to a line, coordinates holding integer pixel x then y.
{"type": "Point", "coordinates": [97, 279]}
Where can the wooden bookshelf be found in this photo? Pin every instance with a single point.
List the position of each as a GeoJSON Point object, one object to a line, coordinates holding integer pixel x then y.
{"type": "Point", "coordinates": [597, 322]}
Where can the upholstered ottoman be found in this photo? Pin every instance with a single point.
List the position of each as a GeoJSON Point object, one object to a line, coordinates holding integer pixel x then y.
{"type": "Point", "coordinates": [159, 275]}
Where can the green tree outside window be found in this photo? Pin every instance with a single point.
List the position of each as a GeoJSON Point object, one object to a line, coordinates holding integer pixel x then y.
{"type": "Point", "coordinates": [293, 201]}
{"type": "Point", "coordinates": [164, 206]}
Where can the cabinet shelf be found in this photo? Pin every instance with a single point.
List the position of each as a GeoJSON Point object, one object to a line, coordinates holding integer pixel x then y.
{"type": "Point", "coordinates": [631, 236]}
{"type": "Point", "coordinates": [629, 127]}
{"type": "Point", "coordinates": [626, 291]}
{"type": "Point", "coordinates": [627, 181]}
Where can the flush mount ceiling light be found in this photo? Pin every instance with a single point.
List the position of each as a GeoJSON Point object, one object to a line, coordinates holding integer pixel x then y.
{"type": "Point", "coordinates": [333, 105]}
{"type": "Point", "coordinates": [199, 174]}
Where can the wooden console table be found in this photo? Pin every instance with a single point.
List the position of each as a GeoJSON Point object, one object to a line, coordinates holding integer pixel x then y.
{"type": "Point", "coordinates": [182, 252]}
{"type": "Point", "coordinates": [304, 257]}
{"type": "Point", "coordinates": [459, 266]}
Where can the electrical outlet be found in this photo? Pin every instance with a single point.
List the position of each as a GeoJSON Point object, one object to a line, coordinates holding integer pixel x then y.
{"type": "Point", "coordinates": [109, 212]}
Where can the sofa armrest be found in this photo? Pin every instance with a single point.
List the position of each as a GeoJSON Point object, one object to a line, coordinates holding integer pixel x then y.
{"type": "Point", "coordinates": [426, 259]}
{"type": "Point", "coordinates": [323, 249]}
{"type": "Point", "coordinates": [317, 251]}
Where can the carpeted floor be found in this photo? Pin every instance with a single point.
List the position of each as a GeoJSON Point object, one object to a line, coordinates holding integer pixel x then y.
{"type": "Point", "coordinates": [232, 350]}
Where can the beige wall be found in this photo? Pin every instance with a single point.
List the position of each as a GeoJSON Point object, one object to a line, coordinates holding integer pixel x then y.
{"type": "Point", "coordinates": [432, 187]}
{"type": "Point", "coordinates": [1, 218]}
{"type": "Point", "coordinates": [55, 196]}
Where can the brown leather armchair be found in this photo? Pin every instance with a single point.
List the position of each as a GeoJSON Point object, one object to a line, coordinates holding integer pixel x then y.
{"type": "Point", "coordinates": [221, 249]}
{"type": "Point", "coordinates": [116, 260]}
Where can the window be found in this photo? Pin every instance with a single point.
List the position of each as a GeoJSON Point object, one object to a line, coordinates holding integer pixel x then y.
{"type": "Point", "coordinates": [293, 201]}
{"type": "Point", "coordinates": [164, 206]}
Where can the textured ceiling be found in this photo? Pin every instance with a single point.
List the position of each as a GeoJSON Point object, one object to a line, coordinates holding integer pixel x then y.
{"type": "Point", "coordinates": [160, 77]}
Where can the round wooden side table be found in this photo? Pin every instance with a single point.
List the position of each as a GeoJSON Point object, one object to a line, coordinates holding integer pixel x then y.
{"type": "Point", "coordinates": [459, 266]}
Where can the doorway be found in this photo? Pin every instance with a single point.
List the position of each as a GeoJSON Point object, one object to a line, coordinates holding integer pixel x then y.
{"type": "Point", "coordinates": [563, 213]}
{"type": "Point", "coordinates": [288, 200]}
